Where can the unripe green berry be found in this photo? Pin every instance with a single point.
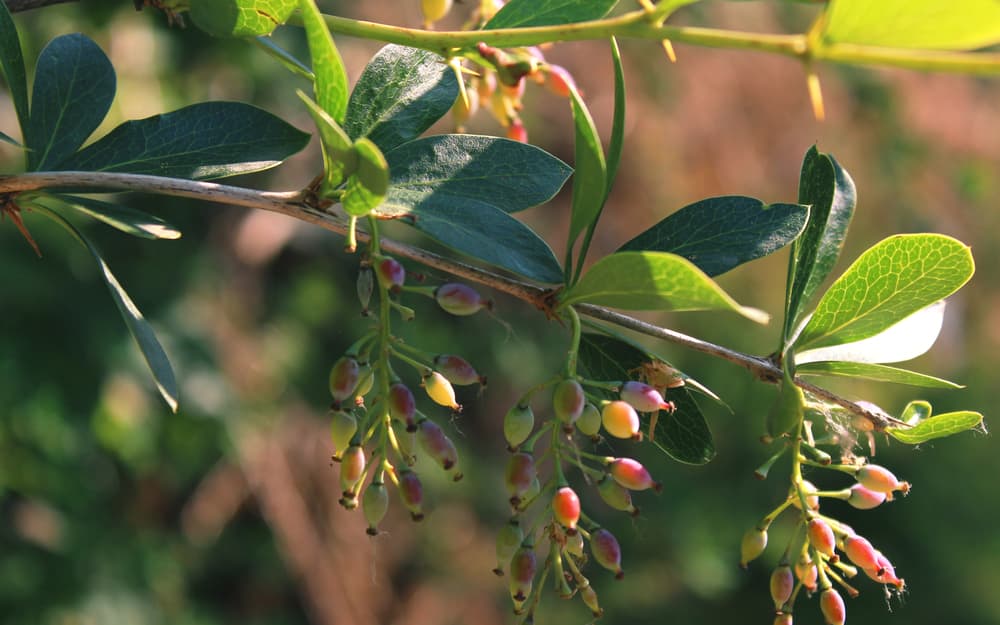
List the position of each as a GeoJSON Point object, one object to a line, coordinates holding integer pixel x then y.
{"type": "Point", "coordinates": [809, 490]}
{"type": "Point", "coordinates": [374, 505]}
{"type": "Point", "coordinates": [566, 508]}
{"type": "Point", "coordinates": [589, 598]}
{"type": "Point", "coordinates": [753, 544]}
{"type": "Point", "coordinates": [615, 495]}
{"type": "Point", "coordinates": [832, 606]}
{"type": "Point", "coordinates": [620, 419]}
{"type": "Point", "coordinates": [343, 426]}
{"type": "Point", "coordinates": [574, 544]}
{"type": "Point", "coordinates": [441, 391]}
{"type": "Point", "coordinates": [344, 378]}
{"type": "Point", "coordinates": [606, 550]}
{"type": "Point", "coordinates": [366, 380]}
{"type": "Point", "coordinates": [518, 424]}
{"type": "Point", "coordinates": [568, 401]}
{"type": "Point", "coordinates": [509, 539]}
{"type": "Point", "coordinates": [589, 422]}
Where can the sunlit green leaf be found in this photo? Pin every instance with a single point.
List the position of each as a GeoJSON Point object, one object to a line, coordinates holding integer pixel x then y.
{"type": "Point", "coordinates": [367, 186]}
{"type": "Point", "coordinates": [915, 412]}
{"type": "Point", "coordinates": [284, 57]}
{"type": "Point", "coordinates": [329, 75]}
{"type": "Point", "coordinates": [653, 281]}
{"type": "Point", "coordinates": [928, 24]}
{"type": "Point", "coordinates": [74, 87]}
{"type": "Point", "coordinates": [890, 281]}
{"type": "Point", "coordinates": [937, 426]}
{"type": "Point", "coordinates": [590, 171]}
{"type": "Point", "coordinates": [12, 65]}
{"type": "Point", "coordinates": [876, 372]}
{"type": "Point", "coordinates": [339, 157]}
{"type": "Point", "coordinates": [717, 234]}
{"type": "Point", "coordinates": [123, 218]}
{"type": "Point", "coordinates": [240, 18]}
{"type": "Point", "coordinates": [521, 13]}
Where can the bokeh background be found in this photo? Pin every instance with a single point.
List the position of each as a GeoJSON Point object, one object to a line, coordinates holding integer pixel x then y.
{"type": "Point", "coordinates": [113, 511]}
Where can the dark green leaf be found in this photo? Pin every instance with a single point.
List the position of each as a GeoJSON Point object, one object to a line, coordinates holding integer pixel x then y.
{"type": "Point", "coordinates": [8, 139]}
{"type": "Point", "coordinates": [201, 141]}
{"type": "Point", "coordinates": [521, 13]}
{"type": "Point", "coordinates": [74, 87]}
{"type": "Point", "coordinates": [330, 77]}
{"type": "Point", "coordinates": [892, 280]}
{"type": "Point", "coordinates": [830, 194]}
{"type": "Point", "coordinates": [872, 371]}
{"type": "Point", "coordinates": [683, 435]}
{"type": "Point", "coordinates": [142, 332]}
{"type": "Point", "coordinates": [720, 233]}
{"type": "Point", "coordinates": [240, 18]}
{"type": "Point", "coordinates": [617, 140]}
{"type": "Point", "coordinates": [12, 65]}
{"type": "Point", "coordinates": [399, 95]}
{"type": "Point", "coordinates": [653, 281]}
{"type": "Point", "coordinates": [589, 176]}
{"type": "Point", "coordinates": [123, 218]}
{"type": "Point", "coordinates": [339, 158]}
{"type": "Point", "coordinates": [284, 57]}
{"type": "Point", "coordinates": [367, 186]}
{"type": "Point", "coordinates": [937, 426]}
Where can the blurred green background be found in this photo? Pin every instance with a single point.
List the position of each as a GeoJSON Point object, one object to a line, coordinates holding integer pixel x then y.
{"type": "Point", "coordinates": [114, 511]}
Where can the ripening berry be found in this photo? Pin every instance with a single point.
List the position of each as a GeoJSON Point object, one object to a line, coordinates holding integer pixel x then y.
{"type": "Point", "coordinates": [343, 425]}
{"type": "Point", "coordinates": [644, 397]}
{"type": "Point", "coordinates": [808, 489]}
{"type": "Point", "coordinates": [589, 598]}
{"type": "Point", "coordinates": [519, 475]}
{"type": "Point", "coordinates": [753, 544]}
{"type": "Point", "coordinates": [366, 380]}
{"type": "Point", "coordinates": [574, 544]}
{"type": "Point", "coordinates": [620, 419]}
{"type": "Point", "coordinates": [615, 495]}
{"type": "Point", "coordinates": [607, 551]}
{"type": "Point", "coordinates": [460, 299]}
{"type": "Point", "coordinates": [568, 401]}
{"type": "Point", "coordinates": [509, 538]}
{"type": "Point", "coordinates": [441, 391]}
{"type": "Point", "coordinates": [589, 422]}
{"type": "Point", "coordinates": [880, 480]}
{"type": "Point", "coordinates": [435, 9]}
{"type": "Point", "coordinates": [437, 444]}
{"type": "Point", "coordinates": [807, 573]}
{"type": "Point", "coordinates": [632, 475]}
{"type": "Point", "coordinates": [352, 468]}
{"type": "Point", "coordinates": [523, 567]}
{"type": "Point", "coordinates": [566, 508]}
{"type": "Point", "coordinates": [861, 552]}
{"type": "Point", "coordinates": [863, 498]}
{"type": "Point", "coordinates": [391, 273]}
{"type": "Point", "coordinates": [344, 378]}
{"type": "Point", "coordinates": [560, 81]}
{"type": "Point", "coordinates": [457, 370]}
{"type": "Point", "coordinates": [403, 406]}
{"type": "Point", "coordinates": [832, 606]}
{"type": "Point", "coordinates": [884, 572]}
{"type": "Point", "coordinates": [785, 618]}
{"type": "Point", "coordinates": [782, 584]}
{"type": "Point", "coordinates": [821, 536]}
{"type": "Point", "coordinates": [411, 491]}
{"type": "Point", "coordinates": [374, 505]}
{"type": "Point", "coordinates": [518, 424]}
{"type": "Point", "coordinates": [516, 131]}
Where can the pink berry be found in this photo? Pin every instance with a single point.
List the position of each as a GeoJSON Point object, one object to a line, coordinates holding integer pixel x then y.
{"type": "Point", "coordinates": [620, 419]}
{"type": "Point", "coordinates": [403, 406]}
{"type": "Point", "coordinates": [807, 573]}
{"type": "Point", "coordinates": [568, 401]}
{"type": "Point", "coordinates": [884, 572]}
{"type": "Point", "coordinates": [437, 444]}
{"type": "Point", "coordinates": [832, 606]}
{"type": "Point", "coordinates": [344, 378]}
{"type": "Point", "coordinates": [753, 544]}
{"type": "Point", "coordinates": [560, 81]}
{"type": "Point", "coordinates": [607, 551]}
{"type": "Point", "coordinates": [411, 491]}
{"type": "Point", "coordinates": [517, 132]}
{"type": "Point", "coordinates": [863, 498]}
{"type": "Point", "coordinates": [644, 397]}
{"type": "Point", "coordinates": [391, 274]}
{"type": "Point", "coordinates": [821, 536]}
{"type": "Point", "coordinates": [566, 508]}
{"type": "Point", "coordinates": [632, 475]}
{"type": "Point", "coordinates": [880, 480]}
{"type": "Point", "coordinates": [782, 584]}
{"type": "Point", "coordinates": [519, 475]}
{"type": "Point", "coordinates": [457, 370]}
{"type": "Point", "coordinates": [861, 552]}
{"type": "Point", "coordinates": [460, 299]}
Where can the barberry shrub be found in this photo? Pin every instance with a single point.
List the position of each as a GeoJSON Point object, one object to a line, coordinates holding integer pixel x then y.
{"type": "Point", "coordinates": [572, 435]}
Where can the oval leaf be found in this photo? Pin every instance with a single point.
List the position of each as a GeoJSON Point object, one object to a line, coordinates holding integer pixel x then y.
{"type": "Point", "coordinates": [653, 281]}
{"type": "Point", "coordinates": [399, 95]}
{"type": "Point", "coordinates": [927, 24]}
{"type": "Point", "coordinates": [12, 65]}
{"type": "Point", "coordinates": [339, 156]}
{"type": "Point", "coordinates": [240, 18]}
{"type": "Point", "coordinates": [367, 186]}
{"type": "Point", "coordinates": [521, 13]}
{"type": "Point", "coordinates": [890, 281]}
{"type": "Point", "coordinates": [74, 87]}
{"type": "Point", "coordinates": [903, 341]}
{"type": "Point", "coordinates": [201, 141]}
{"type": "Point", "coordinates": [937, 426]}
{"type": "Point", "coordinates": [878, 373]}
{"type": "Point", "coordinates": [720, 233]}
{"type": "Point", "coordinates": [590, 171]}
{"type": "Point", "coordinates": [329, 75]}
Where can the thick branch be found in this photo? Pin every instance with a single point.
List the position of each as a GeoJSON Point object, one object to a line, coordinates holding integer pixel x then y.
{"type": "Point", "coordinates": [292, 204]}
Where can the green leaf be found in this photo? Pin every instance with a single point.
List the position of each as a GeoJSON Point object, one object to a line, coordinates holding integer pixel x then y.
{"type": "Point", "coordinates": [399, 95]}
{"type": "Point", "coordinates": [916, 411]}
{"type": "Point", "coordinates": [12, 141]}
{"type": "Point", "coordinates": [240, 18]}
{"type": "Point", "coordinates": [128, 220]}
{"type": "Point", "coordinates": [937, 427]}
{"type": "Point", "coordinates": [876, 372]}
{"type": "Point", "coordinates": [653, 281]}
{"type": "Point", "coordinates": [830, 194]}
{"type": "Point", "coordinates": [617, 139]}
{"type": "Point", "coordinates": [521, 13]}
{"type": "Point", "coordinates": [367, 186]}
{"type": "Point", "coordinates": [284, 57]}
{"type": "Point", "coordinates": [902, 341]}
{"type": "Point", "coordinates": [925, 24]}
{"type": "Point", "coordinates": [590, 174]}
{"type": "Point", "coordinates": [74, 87]}
{"type": "Point", "coordinates": [330, 77]}
{"type": "Point", "coordinates": [684, 434]}
{"type": "Point", "coordinates": [720, 233]}
{"type": "Point", "coordinates": [890, 281]}
{"type": "Point", "coordinates": [201, 141]}
{"type": "Point", "coordinates": [142, 332]}
{"type": "Point", "coordinates": [12, 65]}
{"type": "Point", "coordinates": [339, 157]}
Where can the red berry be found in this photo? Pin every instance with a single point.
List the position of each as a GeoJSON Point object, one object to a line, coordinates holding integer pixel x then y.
{"type": "Point", "coordinates": [607, 551]}
{"type": "Point", "coordinates": [460, 299]}
{"type": "Point", "coordinates": [391, 274]}
{"type": "Point", "coordinates": [568, 401]}
{"type": "Point", "coordinates": [566, 508]}
{"type": "Point", "coordinates": [402, 405]}
{"type": "Point", "coordinates": [821, 536]}
{"type": "Point", "coordinates": [620, 419]}
{"type": "Point", "coordinates": [632, 475]}
{"type": "Point", "coordinates": [880, 480]}
{"type": "Point", "coordinates": [832, 606]}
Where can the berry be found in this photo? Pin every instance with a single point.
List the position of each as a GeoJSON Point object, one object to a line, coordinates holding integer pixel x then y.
{"type": "Point", "coordinates": [366, 377]}
{"type": "Point", "coordinates": [589, 422]}
{"type": "Point", "coordinates": [464, 108]}
{"type": "Point", "coordinates": [615, 495]}
{"type": "Point", "coordinates": [403, 406]}
{"type": "Point", "coordinates": [411, 491]}
{"type": "Point", "coordinates": [589, 598]}
{"type": "Point", "coordinates": [441, 391]}
{"type": "Point", "coordinates": [884, 572]}
{"type": "Point", "coordinates": [620, 419]}
{"type": "Point", "coordinates": [343, 426]}
{"type": "Point", "coordinates": [632, 475]}
{"type": "Point", "coordinates": [560, 81]}
{"type": "Point", "coordinates": [518, 424]}
{"type": "Point", "coordinates": [352, 468]}
{"type": "Point", "coordinates": [832, 606]}
{"type": "Point", "coordinates": [753, 544]}
{"type": "Point", "coordinates": [785, 618]}
{"type": "Point", "coordinates": [881, 480]}
{"type": "Point", "coordinates": [509, 538]}
{"type": "Point", "coordinates": [437, 444]}
{"type": "Point", "coordinates": [344, 378]}
{"type": "Point", "coordinates": [566, 508]}
{"type": "Point", "coordinates": [821, 536]}
{"type": "Point", "coordinates": [459, 299]}
{"type": "Point", "coordinates": [861, 552]}
{"type": "Point", "coordinates": [808, 489]}
{"type": "Point", "coordinates": [644, 397]}
{"type": "Point", "coordinates": [807, 573]}
{"type": "Point", "coordinates": [782, 584]}
{"type": "Point", "coordinates": [516, 131]}
{"type": "Point", "coordinates": [374, 505]}
{"type": "Point", "coordinates": [391, 274]}
{"type": "Point", "coordinates": [607, 551]}
{"type": "Point", "coordinates": [435, 9]}
{"type": "Point", "coordinates": [863, 498]}
{"type": "Point", "coordinates": [574, 544]}
{"type": "Point", "coordinates": [568, 401]}
{"type": "Point", "coordinates": [457, 370]}
{"type": "Point", "coordinates": [519, 475]}
{"type": "Point", "coordinates": [523, 566]}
